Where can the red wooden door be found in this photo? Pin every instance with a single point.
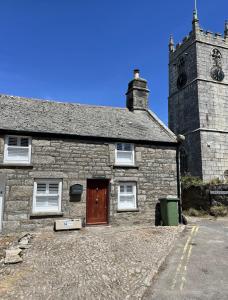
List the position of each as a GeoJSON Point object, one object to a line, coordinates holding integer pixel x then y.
{"type": "Point", "coordinates": [97, 202]}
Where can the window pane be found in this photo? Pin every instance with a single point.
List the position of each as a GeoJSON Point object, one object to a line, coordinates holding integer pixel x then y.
{"type": "Point", "coordinates": [17, 153]}
{"type": "Point", "coordinates": [129, 188]}
{"type": "Point", "coordinates": [12, 141]}
{"type": "Point", "coordinates": [41, 188]}
{"type": "Point", "coordinates": [124, 157]}
{"type": "Point", "coordinates": [127, 198]}
{"type": "Point", "coordinates": [47, 202]}
{"type": "Point", "coordinates": [53, 188]}
{"type": "Point", "coordinates": [24, 142]}
{"type": "Point", "coordinates": [119, 146]}
{"type": "Point", "coordinates": [122, 188]}
{"type": "Point", "coordinates": [126, 201]}
{"type": "Point", "coordinates": [127, 147]}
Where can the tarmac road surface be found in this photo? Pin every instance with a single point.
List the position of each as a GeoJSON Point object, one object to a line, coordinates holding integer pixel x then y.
{"type": "Point", "coordinates": [197, 267]}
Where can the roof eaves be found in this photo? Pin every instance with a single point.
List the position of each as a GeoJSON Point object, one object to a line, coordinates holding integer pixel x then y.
{"type": "Point", "coordinates": [83, 137]}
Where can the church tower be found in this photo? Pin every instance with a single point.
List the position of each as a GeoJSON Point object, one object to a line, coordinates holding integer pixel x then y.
{"type": "Point", "coordinates": [198, 100]}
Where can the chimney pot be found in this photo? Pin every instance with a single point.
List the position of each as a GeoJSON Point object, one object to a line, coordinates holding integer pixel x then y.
{"type": "Point", "coordinates": [136, 74]}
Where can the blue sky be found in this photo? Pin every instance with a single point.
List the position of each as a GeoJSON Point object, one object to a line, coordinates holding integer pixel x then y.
{"type": "Point", "coordinates": [84, 51]}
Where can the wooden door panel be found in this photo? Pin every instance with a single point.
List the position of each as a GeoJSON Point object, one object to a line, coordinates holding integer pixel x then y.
{"type": "Point", "coordinates": [97, 202]}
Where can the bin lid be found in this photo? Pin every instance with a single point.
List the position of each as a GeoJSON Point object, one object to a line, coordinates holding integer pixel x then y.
{"type": "Point", "coordinates": [169, 198]}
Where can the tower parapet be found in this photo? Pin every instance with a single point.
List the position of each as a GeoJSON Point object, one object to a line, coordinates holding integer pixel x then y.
{"type": "Point", "coordinates": [200, 35]}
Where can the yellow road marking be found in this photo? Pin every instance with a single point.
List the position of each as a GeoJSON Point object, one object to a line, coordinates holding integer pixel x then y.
{"type": "Point", "coordinates": [185, 256]}
{"type": "Point", "coordinates": [183, 280]}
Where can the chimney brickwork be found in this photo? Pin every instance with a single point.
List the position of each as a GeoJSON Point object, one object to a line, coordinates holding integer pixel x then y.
{"type": "Point", "coordinates": [137, 93]}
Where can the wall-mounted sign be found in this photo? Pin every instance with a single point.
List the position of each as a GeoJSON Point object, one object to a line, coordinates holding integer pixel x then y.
{"type": "Point", "coordinates": [219, 192]}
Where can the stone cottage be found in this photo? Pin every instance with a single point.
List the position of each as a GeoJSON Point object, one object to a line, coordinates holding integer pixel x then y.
{"type": "Point", "coordinates": [106, 165]}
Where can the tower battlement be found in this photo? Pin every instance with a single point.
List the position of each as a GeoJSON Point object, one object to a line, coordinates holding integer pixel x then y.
{"type": "Point", "coordinates": [200, 35]}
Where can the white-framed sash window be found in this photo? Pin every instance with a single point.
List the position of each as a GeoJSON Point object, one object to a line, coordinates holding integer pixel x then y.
{"type": "Point", "coordinates": [17, 149]}
{"type": "Point", "coordinates": [47, 195]}
{"type": "Point", "coordinates": [127, 196]}
{"type": "Point", "coordinates": [125, 154]}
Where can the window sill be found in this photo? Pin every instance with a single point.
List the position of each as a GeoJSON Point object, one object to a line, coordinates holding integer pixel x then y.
{"type": "Point", "coordinates": [128, 210]}
{"type": "Point", "coordinates": [15, 165]}
{"type": "Point", "coordinates": [46, 214]}
{"type": "Point", "coordinates": [125, 167]}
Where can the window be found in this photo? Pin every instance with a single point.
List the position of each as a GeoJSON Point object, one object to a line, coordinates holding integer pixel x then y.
{"type": "Point", "coordinates": [124, 154]}
{"type": "Point", "coordinates": [17, 149]}
{"type": "Point", "coordinates": [127, 196]}
{"type": "Point", "coordinates": [47, 195]}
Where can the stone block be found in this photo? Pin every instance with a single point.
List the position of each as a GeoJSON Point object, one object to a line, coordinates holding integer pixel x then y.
{"type": "Point", "coordinates": [20, 192]}
{"type": "Point", "coordinates": [11, 226]}
{"type": "Point", "coordinates": [46, 159]}
{"type": "Point", "coordinates": [12, 206]}
{"type": "Point", "coordinates": [17, 217]}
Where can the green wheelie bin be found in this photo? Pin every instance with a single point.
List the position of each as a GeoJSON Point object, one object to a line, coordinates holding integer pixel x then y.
{"type": "Point", "coordinates": [169, 211]}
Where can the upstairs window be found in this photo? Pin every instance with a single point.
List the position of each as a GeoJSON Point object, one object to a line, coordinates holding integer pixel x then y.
{"type": "Point", "coordinates": [47, 195]}
{"type": "Point", "coordinates": [17, 149]}
{"type": "Point", "coordinates": [124, 154]}
{"type": "Point", "coordinates": [127, 196]}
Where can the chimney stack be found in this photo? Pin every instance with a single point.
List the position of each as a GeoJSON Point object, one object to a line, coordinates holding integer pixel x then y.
{"type": "Point", "coordinates": [137, 93]}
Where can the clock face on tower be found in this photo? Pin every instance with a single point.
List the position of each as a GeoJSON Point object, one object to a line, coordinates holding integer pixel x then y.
{"type": "Point", "coordinates": [182, 80]}
{"type": "Point", "coordinates": [217, 73]}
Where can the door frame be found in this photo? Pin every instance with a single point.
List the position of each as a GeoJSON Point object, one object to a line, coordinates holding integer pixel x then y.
{"type": "Point", "coordinates": [107, 200]}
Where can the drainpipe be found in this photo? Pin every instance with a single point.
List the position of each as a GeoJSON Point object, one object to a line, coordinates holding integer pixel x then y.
{"type": "Point", "coordinates": [180, 140]}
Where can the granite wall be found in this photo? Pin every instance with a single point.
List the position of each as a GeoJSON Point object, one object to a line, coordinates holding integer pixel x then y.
{"type": "Point", "coordinates": [75, 161]}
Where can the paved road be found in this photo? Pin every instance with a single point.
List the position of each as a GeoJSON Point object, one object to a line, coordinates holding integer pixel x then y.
{"type": "Point", "coordinates": [198, 266]}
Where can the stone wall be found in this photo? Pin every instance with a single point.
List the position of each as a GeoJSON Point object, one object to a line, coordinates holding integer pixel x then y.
{"type": "Point", "coordinates": [202, 196]}
{"type": "Point", "coordinates": [214, 155]}
{"type": "Point", "coordinates": [76, 161]}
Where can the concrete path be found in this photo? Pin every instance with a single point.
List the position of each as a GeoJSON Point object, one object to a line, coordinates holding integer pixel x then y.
{"type": "Point", "coordinates": [198, 266]}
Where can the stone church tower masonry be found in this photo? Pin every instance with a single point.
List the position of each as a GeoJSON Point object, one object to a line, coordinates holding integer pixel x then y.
{"type": "Point", "coordinates": [198, 100]}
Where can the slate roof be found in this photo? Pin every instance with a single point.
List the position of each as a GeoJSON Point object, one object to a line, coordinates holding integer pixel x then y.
{"type": "Point", "coordinates": [42, 116]}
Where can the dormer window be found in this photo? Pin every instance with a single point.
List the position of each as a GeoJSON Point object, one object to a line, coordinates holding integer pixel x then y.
{"type": "Point", "coordinates": [17, 149]}
{"type": "Point", "coordinates": [125, 154]}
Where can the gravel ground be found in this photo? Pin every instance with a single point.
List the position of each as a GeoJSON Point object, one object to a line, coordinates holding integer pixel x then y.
{"type": "Point", "coordinates": [94, 263]}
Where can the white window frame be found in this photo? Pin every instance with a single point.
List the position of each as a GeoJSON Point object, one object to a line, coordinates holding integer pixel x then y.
{"type": "Point", "coordinates": [134, 185]}
{"type": "Point", "coordinates": [47, 210]}
{"type": "Point", "coordinates": [11, 161]}
{"type": "Point", "coordinates": [132, 163]}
